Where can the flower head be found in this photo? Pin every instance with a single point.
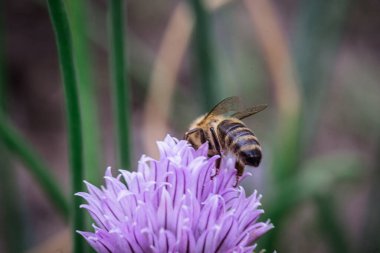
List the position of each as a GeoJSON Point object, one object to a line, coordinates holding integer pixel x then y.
{"type": "Point", "coordinates": [173, 205]}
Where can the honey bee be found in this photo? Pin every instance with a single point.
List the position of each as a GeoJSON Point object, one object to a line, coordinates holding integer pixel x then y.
{"type": "Point", "coordinates": [223, 129]}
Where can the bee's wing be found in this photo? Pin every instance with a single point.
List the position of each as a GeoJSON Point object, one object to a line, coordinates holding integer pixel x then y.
{"type": "Point", "coordinates": [249, 111]}
{"type": "Point", "coordinates": [226, 105]}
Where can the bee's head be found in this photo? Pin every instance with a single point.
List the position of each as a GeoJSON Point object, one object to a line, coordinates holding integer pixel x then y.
{"type": "Point", "coordinates": [194, 134]}
{"type": "Point", "coordinates": [194, 138]}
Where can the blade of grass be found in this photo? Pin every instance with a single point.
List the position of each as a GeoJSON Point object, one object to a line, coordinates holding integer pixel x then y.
{"type": "Point", "coordinates": [92, 153]}
{"type": "Point", "coordinates": [204, 57]}
{"type": "Point", "coordinates": [60, 23]}
{"type": "Point", "coordinates": [142, 56]}
{"type": "Point", "coordinates": [16, 144]}
{"type": "Point", "coordinates": [121, 95]}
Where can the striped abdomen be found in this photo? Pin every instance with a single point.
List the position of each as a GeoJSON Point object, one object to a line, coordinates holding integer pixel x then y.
{"type": "Point", "coordinates": [238, 139]}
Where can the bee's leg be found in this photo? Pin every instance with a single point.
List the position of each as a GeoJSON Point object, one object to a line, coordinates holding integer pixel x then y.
{"type": "Point", "coordinates": [240, 169]}
{"type": "Point", "coordinates": [191, 131]}
{"type": "Point", "coordinates": [217, 147]}
{"type": "Point", "coordinates": [194, 130]}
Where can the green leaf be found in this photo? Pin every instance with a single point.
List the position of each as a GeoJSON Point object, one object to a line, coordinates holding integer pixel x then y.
{"type": "Point", "coordinates": [204, 54]}
{"type": "Point", "coordinates": [17, 145]}
{"type": "Point", "coordinates": [121, 89]}
{"type": "Point", "coordinates": [92, 152]}
{"type": "Point", "coordinates": [61, 27]}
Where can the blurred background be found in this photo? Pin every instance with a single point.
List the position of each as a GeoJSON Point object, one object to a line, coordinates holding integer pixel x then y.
{"type": "Point", "coordinates": [314, 62]}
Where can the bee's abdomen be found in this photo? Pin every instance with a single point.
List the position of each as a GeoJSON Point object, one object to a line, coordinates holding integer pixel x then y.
{"type": "Point", "coordinates": [241, 141]}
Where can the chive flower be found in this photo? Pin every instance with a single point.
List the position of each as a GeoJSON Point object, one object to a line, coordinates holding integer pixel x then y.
{"type": "Point", "coordinates": [173, 205]}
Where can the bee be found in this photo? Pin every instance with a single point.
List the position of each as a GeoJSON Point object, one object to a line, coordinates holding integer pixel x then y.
{"type": "Point", "coordinates": [223, 129]}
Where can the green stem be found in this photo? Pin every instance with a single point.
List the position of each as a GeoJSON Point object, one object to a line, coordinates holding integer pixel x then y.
{"type": "Point", "coordinates": [142, 55]}
{"type": "Point", "coordinates": [14, 142]}
{"type": "Point", "coordinates": [86, 89]}
{"type": "Point", "coordinates": [120, 82]}
{"type": "Point", "coordinates": [205, 61]}
{"type": "Point", "coordinates": [64, 43]}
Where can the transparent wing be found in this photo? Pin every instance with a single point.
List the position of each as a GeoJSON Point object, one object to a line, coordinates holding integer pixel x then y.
{"type": "Point", "coordinates": [229, 104]}
{"type": "Point", "coordinates": [249, 111]}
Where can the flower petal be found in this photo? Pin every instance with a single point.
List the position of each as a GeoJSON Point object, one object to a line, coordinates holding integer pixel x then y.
{"type": "Point", "coordinates": [173, 205]}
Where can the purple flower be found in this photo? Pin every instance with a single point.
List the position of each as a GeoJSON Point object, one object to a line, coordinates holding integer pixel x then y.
{"type": "Point", "coordinates": [172, 205]}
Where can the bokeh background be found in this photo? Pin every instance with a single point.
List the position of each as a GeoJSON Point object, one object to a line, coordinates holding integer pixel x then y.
{"type": "Point", "coordinates": [314, 62]}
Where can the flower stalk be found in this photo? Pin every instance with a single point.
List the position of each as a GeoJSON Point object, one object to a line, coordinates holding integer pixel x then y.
{"type": "Point", "coordinates": [203, 47]}
{"type": "Point", "coordinates": [60, 23]}
{"type": "Point", "coordinates": [92, 153]}
{"type": "Point", "coordinates": [118, 69]}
